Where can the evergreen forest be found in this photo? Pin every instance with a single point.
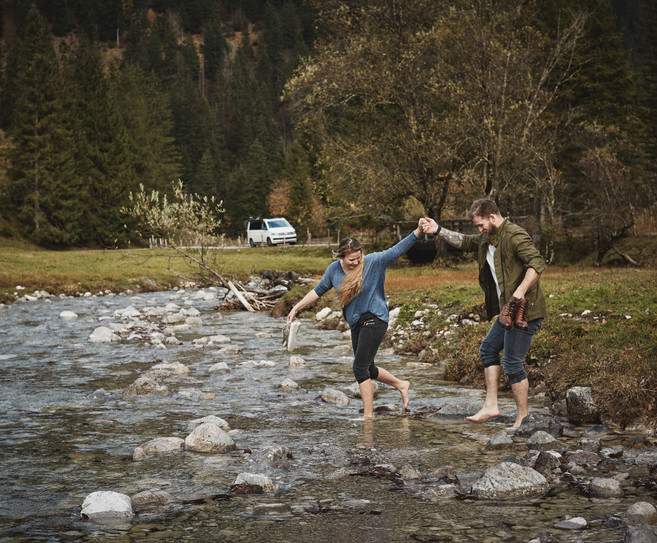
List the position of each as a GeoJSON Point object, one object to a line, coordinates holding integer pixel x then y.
{"type": "Point", "coordinates": [332, 113]}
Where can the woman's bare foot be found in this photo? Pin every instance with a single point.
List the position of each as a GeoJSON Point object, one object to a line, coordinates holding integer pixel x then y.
{"type": "Point", "coordinates": [403, 389]}
{"type": "Point", "coordinates": [484, 414]}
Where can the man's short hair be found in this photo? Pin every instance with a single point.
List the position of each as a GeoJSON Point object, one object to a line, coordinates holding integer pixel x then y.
{"type": "Point", "coordinates": [483, 207]}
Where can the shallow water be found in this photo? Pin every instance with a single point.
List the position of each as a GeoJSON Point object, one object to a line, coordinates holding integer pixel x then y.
{"type": "Point", "coordinates": [66, 432]}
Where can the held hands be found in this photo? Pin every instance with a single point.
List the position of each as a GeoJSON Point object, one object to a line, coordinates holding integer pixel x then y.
{"type": "Point", "coordinates": [420, 227]}
{"type": "Point", "coordinates": [429, 226]}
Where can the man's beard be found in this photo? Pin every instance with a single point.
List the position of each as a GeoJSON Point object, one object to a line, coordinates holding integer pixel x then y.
{"type": "Point", "coordinates": [493, 231]}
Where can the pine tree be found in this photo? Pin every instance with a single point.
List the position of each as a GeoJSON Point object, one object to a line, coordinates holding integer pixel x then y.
{"type": "Point", "coordinates": [44, 195]}
{"type": "Point", "coordinates": [103, 145]}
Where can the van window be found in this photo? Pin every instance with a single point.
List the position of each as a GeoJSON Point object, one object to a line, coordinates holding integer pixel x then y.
{"type": "Point", "coordinates": [278, 223]}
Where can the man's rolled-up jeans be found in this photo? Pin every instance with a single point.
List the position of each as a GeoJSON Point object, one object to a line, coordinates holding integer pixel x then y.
{"type": "Point", "coordinates": [515, 343]}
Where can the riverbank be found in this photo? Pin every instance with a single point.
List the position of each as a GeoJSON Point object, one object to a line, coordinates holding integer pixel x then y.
{"type": "Point", "coordinates": [601, 330]}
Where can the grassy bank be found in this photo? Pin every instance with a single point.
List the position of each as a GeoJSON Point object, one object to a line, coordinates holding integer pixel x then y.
{"type": "Point", "coordinates": [601, 329]}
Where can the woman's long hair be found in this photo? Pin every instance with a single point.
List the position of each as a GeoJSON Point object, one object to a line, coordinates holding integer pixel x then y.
{"type": "Point", "coordinates": [353, 282]}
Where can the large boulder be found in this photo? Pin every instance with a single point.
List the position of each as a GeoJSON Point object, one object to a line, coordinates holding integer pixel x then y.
{"type": "Point", "coordinates": [509, 481]}
{"type": "Point", "coordinates": [581, 407]}
{"type": "Point", "coordinates": [106, 505]}
{"type": "Point", "coordinates": [209, 438]}
{"type": "Point", "coordinates": [640, 513]}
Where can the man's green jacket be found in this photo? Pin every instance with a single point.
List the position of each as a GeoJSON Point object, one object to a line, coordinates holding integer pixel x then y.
{"type": "Point", "coordinates": [515, 253]}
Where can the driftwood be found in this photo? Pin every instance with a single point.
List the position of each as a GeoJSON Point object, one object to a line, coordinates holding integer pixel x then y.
{"type": "Point", "coordinates": [612, 245]}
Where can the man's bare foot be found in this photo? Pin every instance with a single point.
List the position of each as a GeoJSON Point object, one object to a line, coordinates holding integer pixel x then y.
{"type": "Point", "coordinates": [484, 414]}
{"type": "Point", "coordinates": [404, 393]}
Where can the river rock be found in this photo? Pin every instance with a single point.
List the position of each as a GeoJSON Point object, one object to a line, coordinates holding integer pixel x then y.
{"type": "Point", "coordinates": [331, 395]}
{"type": "Point", "coordinates": [456, 409]}
{"type": "Point", "coordinates": [106, 505]}
{"type": "Point", "coordinates": [209, 438]}
{"type": "Point", "coordinates": [640, 513]}
{"type": "Point", "coordinates": [218, 340]}
{"type": "Point", "coordinates": [211, 419]}
{"type": "Point", "coordinates": [580, 405]}
{"type": "Point", "coordinates": [353, 390]}
{"type": "Point", "coordinates": [219, 367]}
{"type": "Point", "coordinates": [321, 315]}
{"type": "Point", "coordinates": [169, 372]}
{"type": "Point", "coordinates": [269, 509]}
{"type": "Point", "coordinates": [539, 421]}
{"type": "Point", "coordinates": [589, 444]}
{"type": "Point", "coordinates": [546, 461]}
{"type": "Point", "coordinates": [575, 523]}
{"type": "Point", "coordinates": [601, 487]}
{"type": "Point", "coordinates": [146, 385]}
{"type": "Point", "coordinates": [103, 334]}
{"type": "Point", "coordinates": [641, 534]}
{"type": "Point", "coordinates": [230, 349]}
{"type": "Point", "coordinates": [288, 385]}
{"type": "Point", "coordinates": [509, 481]}
{"type": "Point", "coordinates": [542, 441]}
{"type": "Point", "coordinates": [194, 322]}
{"type": "Point", "coordinates": [297, 361]}
{"type": "Point", "coordinates": [255, 479]}
{"type": "Point", "coordinates": [151, 497]}
{"type": "Point", "coordinates": [68, 315]}
{"type": "Point", "coordinates": [277, 457]}
{"type": "Point", "coordinates": [499, 442]}
{"type": "Point", "coordinates": [409, 473]}
{"type": "Point", "coordinates": [129, 312]}
{"type": "Point", "coordinates": [158, 446]}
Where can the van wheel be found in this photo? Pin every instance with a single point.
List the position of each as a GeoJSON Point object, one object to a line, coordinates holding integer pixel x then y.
{"type": "Point", "coordinates": [269, 242]}
{"type": "Point", "coordinates": [251, 243]}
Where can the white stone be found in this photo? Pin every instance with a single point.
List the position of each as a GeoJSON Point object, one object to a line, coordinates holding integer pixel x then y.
{"type": "Point", "coordinates": [509, 480]}
{"type": "Point", "coordinates": [219, 367]}
{"type": "Point", "coordinates": [106, 505]}
{"type": "Point", "coordinates": [209, 437]}
{"type": "Point", "coordinates": [321, 315]}
{"type": "Point", "coordinates": [288, 385]}
{"type": "Point", "coordinates": [210, 419]}
{"type": "Point", "coordinates": [103, 334]}
{"type": "Point", "coordinates": [68, 315]}
{"type": "Point", "coordinates": [297, 361]}
{"type": "Point", "coordinates": [219, 339]}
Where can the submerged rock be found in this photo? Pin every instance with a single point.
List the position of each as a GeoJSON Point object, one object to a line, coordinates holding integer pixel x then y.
{"type": "Point", "coordinates": [255, 480]}
{"type": "Point", "coordinates": [157, 446]}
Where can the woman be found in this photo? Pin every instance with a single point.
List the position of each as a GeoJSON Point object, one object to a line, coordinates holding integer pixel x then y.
{"type": "Point", "coordinates": [359, 282]}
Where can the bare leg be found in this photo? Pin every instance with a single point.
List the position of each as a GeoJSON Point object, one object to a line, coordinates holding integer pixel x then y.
{"type": "Point", "coordinates": [521, 394]}
{"type": "Point", "coordinates": [367, 395]}
{"type": "Point", "coordinates": [389, 379]}
{"type": "Point", "coordinates": [490, 409]}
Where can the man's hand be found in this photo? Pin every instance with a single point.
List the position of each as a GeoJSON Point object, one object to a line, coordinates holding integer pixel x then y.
{"type": "Point", "coordinates": [430, 226]}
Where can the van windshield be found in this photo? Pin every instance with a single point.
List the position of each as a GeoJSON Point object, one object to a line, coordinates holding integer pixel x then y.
{"type": "Point", "coordinates": [278, 223]}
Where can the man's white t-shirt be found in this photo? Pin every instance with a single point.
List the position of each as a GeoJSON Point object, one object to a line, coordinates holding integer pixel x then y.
{"type": "Point", "coordinates": [490, 258]}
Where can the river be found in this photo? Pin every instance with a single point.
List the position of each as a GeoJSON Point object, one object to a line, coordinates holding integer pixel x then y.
{"type": "Point", "coordinates": [67, 431]}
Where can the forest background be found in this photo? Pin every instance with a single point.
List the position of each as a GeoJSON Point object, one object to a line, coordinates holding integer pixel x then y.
{"type": "Point", "coordinates": [333, 114]}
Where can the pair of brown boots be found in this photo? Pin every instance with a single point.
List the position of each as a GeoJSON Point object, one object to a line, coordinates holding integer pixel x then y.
{"type": "Point", "coordinates": [514, 312]}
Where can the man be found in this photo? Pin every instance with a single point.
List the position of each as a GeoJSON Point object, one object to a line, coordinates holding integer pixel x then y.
{"type": "Point", "coordinates": [509, 270]}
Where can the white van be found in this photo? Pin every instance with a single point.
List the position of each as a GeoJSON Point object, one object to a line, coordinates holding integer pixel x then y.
{"type": "Point", "coordinates": [270, 231]}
